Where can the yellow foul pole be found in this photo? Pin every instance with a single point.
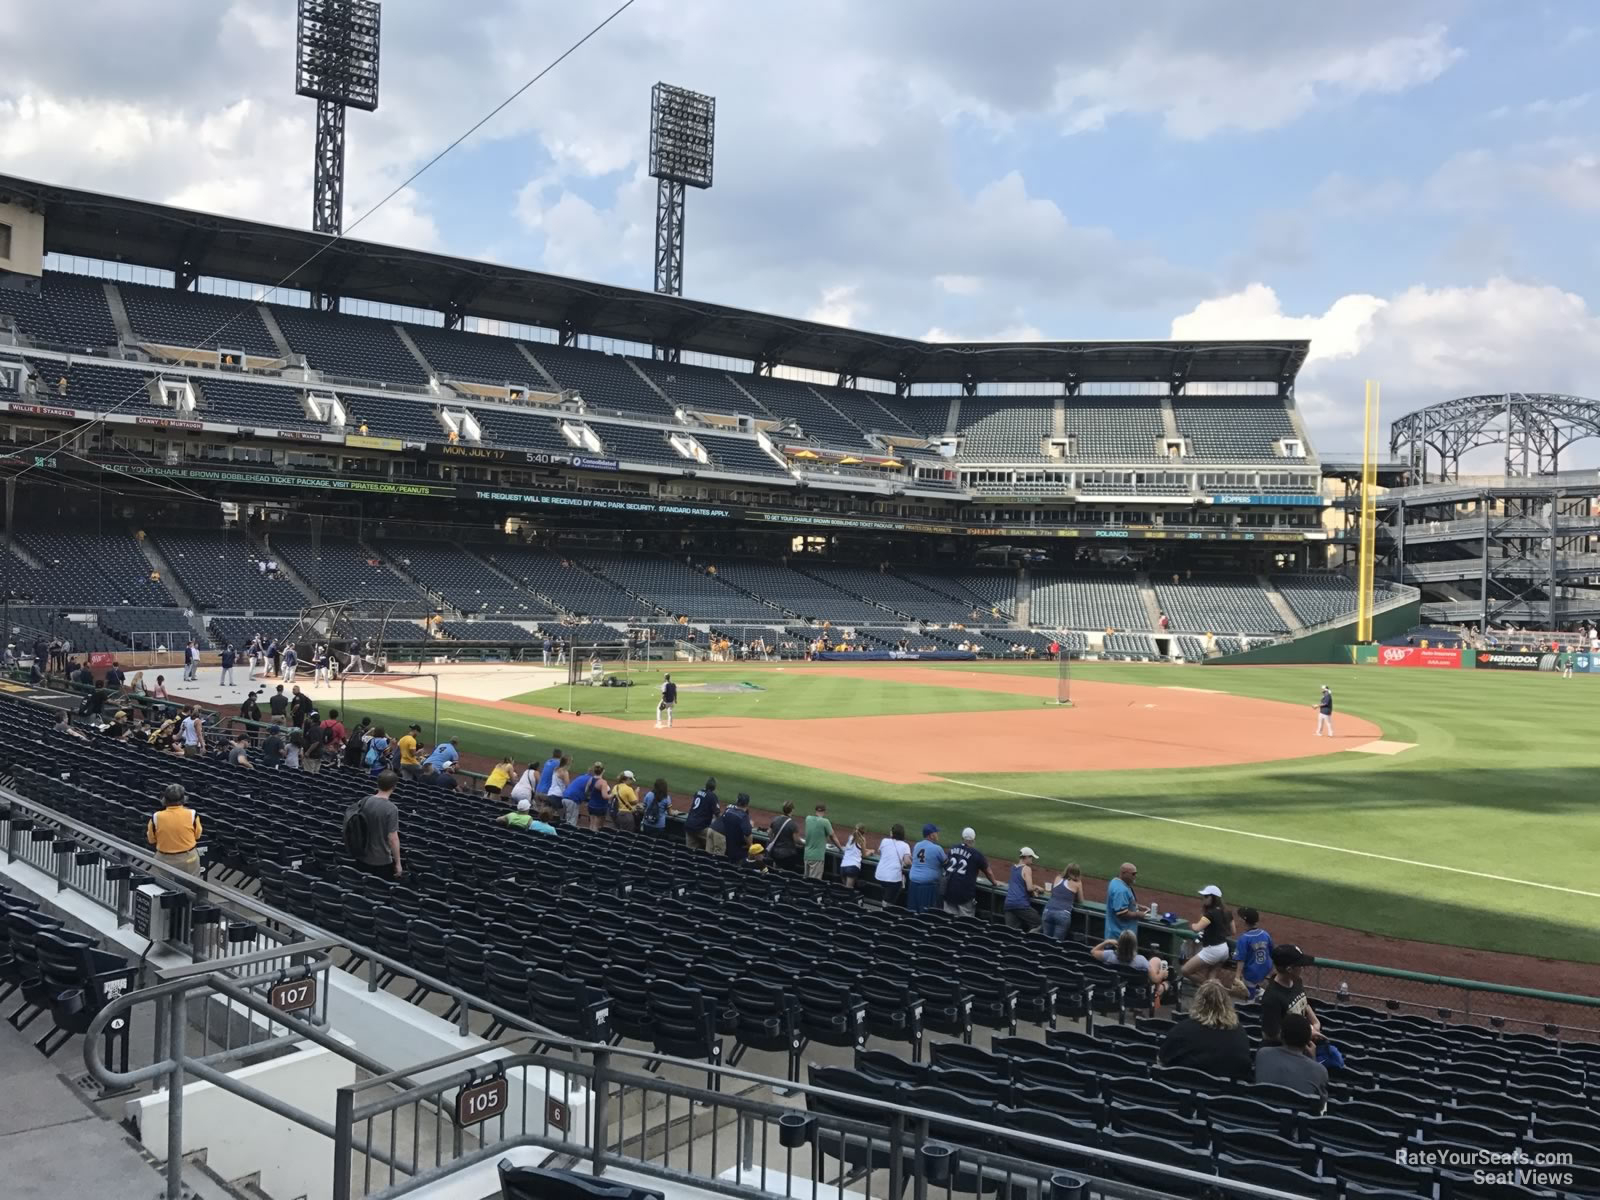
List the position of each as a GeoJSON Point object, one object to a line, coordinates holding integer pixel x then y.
{"type": "Point", "coordinates": [1367, 561]}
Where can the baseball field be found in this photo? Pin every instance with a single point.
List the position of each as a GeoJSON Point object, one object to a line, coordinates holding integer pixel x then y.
{"type": "Point", "coordinates": [1459, 808]}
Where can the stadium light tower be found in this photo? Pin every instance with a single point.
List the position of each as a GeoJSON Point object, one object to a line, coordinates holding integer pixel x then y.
{"type": "Point", "coordinates": [336, 64]}
{"type": "Point", "coordinates": [683, 127]}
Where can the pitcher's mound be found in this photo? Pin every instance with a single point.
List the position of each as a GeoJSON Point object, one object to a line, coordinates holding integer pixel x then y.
{"type": "Point", "coordinates": [723, 688]}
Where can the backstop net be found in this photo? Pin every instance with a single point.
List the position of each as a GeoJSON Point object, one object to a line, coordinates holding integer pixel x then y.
{"type": "Point", "coordinates": [601, 679]}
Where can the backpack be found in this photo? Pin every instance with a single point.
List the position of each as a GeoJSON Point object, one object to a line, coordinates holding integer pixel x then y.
{"type": "Point", "coordinates": [375, 750]}
{"type": "Point", "coordinates": [357, 830]}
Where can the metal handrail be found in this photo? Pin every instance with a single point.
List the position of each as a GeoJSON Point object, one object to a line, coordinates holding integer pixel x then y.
{"type": "Point", "coordinates": [170, 999]}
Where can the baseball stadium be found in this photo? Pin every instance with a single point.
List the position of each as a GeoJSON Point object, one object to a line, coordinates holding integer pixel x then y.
{"type": "Point", "coordinates": [1098, 619]}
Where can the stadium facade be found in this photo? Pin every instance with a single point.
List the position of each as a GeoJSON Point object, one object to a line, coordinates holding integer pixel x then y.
{"type": "Point", "coordinates": [512, 400]}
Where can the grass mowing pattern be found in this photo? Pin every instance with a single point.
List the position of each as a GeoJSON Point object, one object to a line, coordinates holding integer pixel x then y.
{"type": "Point", "coordinates": [1504, 781]}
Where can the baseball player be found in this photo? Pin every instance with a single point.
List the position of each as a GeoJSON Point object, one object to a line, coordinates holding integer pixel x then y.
{"type": "Point", "coordinates": [669, 697]}
{"type": "Point", "coordinates": [1325, 712]}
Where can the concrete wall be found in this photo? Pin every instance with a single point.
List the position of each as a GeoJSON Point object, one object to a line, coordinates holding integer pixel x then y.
{"type": "Point", "coordinates": [27, 240]}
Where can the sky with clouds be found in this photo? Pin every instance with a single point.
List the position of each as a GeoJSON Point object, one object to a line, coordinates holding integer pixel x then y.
{"type": "Point", "coordinates": [1413, 184]}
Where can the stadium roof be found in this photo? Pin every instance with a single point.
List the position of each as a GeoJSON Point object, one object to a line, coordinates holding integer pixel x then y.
{"type": "Point", "coordinates": [93, 225]}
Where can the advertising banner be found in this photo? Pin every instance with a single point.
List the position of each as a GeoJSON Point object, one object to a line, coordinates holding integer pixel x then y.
{"type": "Point", "coordinates": [894, 656]}
{"type": "Point", "coordinates": [100, 659]}
{"type": "Point", "coordinates": [1417, 656]}
{"type": "Point", "coordinates": [1586, 663]}
{"type": "Point", "coordinates": [1514, 660]}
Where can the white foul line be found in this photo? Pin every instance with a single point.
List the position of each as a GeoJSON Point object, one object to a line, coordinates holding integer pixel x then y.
{"type": "Point", "coordinates": [1268, 837]}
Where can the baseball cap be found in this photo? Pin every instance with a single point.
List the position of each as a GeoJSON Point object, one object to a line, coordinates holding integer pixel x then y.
{"type": "Point", "coordinates": [627, 774]}
{"type": "Point", "coordinates": [743, 800]}
{"type": "Point", "coordinates": [1026, 852]}
{"type": "Point", "coordinates": [1291, 956]}
{"type": "Point", "coordinates": [122, 715]}
{"type": "Point", "coordinates": [969, 834]}
{"type": "Point", "coordinates": [929, 828]}
{"type": "Point", "coordinates": [1211, 889]}
{"type": "Point", "coordinates": [524, 805]}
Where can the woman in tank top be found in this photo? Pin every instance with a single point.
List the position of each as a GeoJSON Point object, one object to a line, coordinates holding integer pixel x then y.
{"type": "Point", "coordinates": [1064, 895]}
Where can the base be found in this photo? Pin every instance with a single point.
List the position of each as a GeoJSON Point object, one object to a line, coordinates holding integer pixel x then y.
{"type": "Point", "coordinates": [1059, 704]}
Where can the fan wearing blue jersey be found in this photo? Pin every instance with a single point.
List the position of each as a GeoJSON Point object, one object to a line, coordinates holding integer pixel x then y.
{"type": "Point", "coordinates": [1253, 951]}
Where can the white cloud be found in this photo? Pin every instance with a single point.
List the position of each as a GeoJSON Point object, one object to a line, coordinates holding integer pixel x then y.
{"type": "Point", "coordinates": [1008, 333]}
{"type": "Point", "coordinates": [959, 285]}
{"type": "Point", "coordinates": [1421, 344]}
{"type": "Point", "coordinates": [839, 305]}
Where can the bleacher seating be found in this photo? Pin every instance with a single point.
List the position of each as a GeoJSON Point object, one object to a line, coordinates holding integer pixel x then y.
{"type": "Point", "coordinates": [68, 311]}
{"type": "Point", "coordinates": [496, 632]}
{"type": "Point", "coordinates": [568, 586]}
{"type": "Point", "coordinates": [238, 631]}
{"type": "Point", "coordinates": [344, 570]}
{"type": "Point", "coordinates": [800, 594]}
{"type": "Point", "coordinates": [1087, 601]}
{"type": "Point", "coordinates": [982, 591]}
{"type": "Point", "coordinates": [583, 633]}
{"type": "Point", "coordinates": [1218, 603]}
{"type": "Point", "coordinates": [665, 633]}
{"type": "Point", "coordinates": [393, 416]}
{"type": "Point", "coordinates": [1317, 599]}
{"type": "Point", "coordinates": [699, 388]}
{"type": "Point", "coordinates": [257, 406]}
{"type": "Point", "coordinates": [1232, 429]}
{"type": "Point", "coordinates": [863, 409]}
{"type": "Point", "coordinates": [788, 399]}
{"type": "Point", "coordinates": [27, 620]}
{"type": "Point", "coordinates": [218, 568]}
{"type": "Point", "coordinates": [522, 429]}
{"type": "Point", "coordinates": [901, 595]}
{"type": "Point", "coordinates": [142, 627]}
{"type": "Point", "coordinates": [84, 569]}
{"type": "Point", "coordinates": [349, 347]}
{"type": "Point", "coordinates": [192, 320]}
{"type": "Point", "coordinates": [676, 587]}
{"type": "Point", "coordinates": [479, 357]}
{"type": "Point", "coordinates": [1005, 430]}
{"type": "Point", "coordinates": [738, 454]}
{"type": "Point", "coordinates": [639, 443]}
{"type": "Point", "coordinates": [464, 582]}
{"type": "Point", "coordinates": [1115, 429]}
{"type": "Point", "coordinates": [89, 385]}
{"type": "Point", "coordinates": [927, 415]}
{"type": "Point", "coordinates": [1130, 647]}
{"type": "Point", "coordinates": [606, 382]}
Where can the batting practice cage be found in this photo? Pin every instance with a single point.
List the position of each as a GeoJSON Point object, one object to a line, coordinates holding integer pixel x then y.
{"type": "Point", "coordinates": [600, 679]}
{"type": "Point", "coordinates": [1063, 677]}
{"type": "Point", "coordinates": [354, 631]}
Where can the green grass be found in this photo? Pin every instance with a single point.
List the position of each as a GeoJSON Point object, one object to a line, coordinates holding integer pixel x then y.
{"type": "Point", "coordinates": [782, 696]}
{"type": "Point", "coordinates": [1504, 782]}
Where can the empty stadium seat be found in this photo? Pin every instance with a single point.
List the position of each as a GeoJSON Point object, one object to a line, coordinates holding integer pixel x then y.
{"type": "Point", "coordinates": [196, 320]}
{"type": "Point", "coordinates": [607, 382]}
{"type": "Point", "coordinates": [1218, 603]}
{"type": "Point", "coordinates": [85, 571]}
{"type": "Point", "coordinates": [1087, 601]}
{"type": "Point", "coordinates": [1232, 429]}
{"type": "Point", "coordinates": [348, 347]}
{"type": "Point", "coordinates": [218, 568]}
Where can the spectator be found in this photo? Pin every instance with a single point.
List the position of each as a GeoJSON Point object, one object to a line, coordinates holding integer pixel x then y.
{"type": "Point", "coordinates": [494, 783]}
{"type": "Point", "coordinates": [1211, 1040]}
{"type": "Point", "coordinates": [445, 755]}
{"type": "Point", "coordinates": [927, 869]}
{"type": "Point", "coordinates": [191, 661]}
{"type": "Point", "coordinates": [159, 692]}
{"type": "Point", "coordinates": [228, 659]}
{"type": "Point", "coordinates": [239, 752]}
{"type": "Point", "coordinates": [372, 829]}
{"type": "Point", "coordinates": [191, 734]}
{"type": "Point", "coordinates": [376, 758]}
{"type": "Point", "coordinates": [558, 785]}
{"type": "Point", "coordinates": [527, 785]}
{"type": "Point", "coordinates": [1214, 927]}
{"type": "Point", "coordinates": [1253, 951]}
{"type": "Point", "coordinates": [596, 798]}
{"type": "Point", "coordinates": [65, 727]}
{"type": "Point", "coordinates": [1292, 1062]}
{"type": "Point", "coordinates": [355, 746]}
{"type": "Point", "coordinates": [250, 710]}
{"type": "Point", "coordinates": [278, 705]}
{"type": "Point", "coordinates": [1285, 993]}
{"type": "Point", "coordinates": [1064, 896]}
{"type": "Point", "coordinates": [547, 771]}
{"type": "Point", "coordinates": [894, 856]}
{"type": "Point", "coordinates": [523, 818]}
{"type": "Point", "coordinates": [703, 809]}
{"type": "Point", "coordinates": [625, 803]}
{"type": "Point", "coordinates": [410, 764]}
{"type": "Point", "coordinates": [1124, 952]}
{"type": "Point", "coordinates": [175, 831]}
{"type": "Point", "coordinates": [819, 836]}
{"type": "Point", "coordinates": [657, 809]}
{"type": "Point", "coordinates": [962, 868]}
{"type": "Point", "coordinates": [1122, 906]}
{"type": "Point", "coordinates": [736, 828]}
{"type": "Point", "coordinates": [293, 745]}
{"type": "Point", "coordinates": [783, 842]}
{"type": "Point", "coordinates": [272, 748]}
{"type": "Point", "coordinates": [114, 678]}
{"type": "Point", "coordinates": [1020, 891]}
{"type": "Point", "coordinates": [855, 845]}
{"type": "Point", "coordinates": [575, 797]}
{"type": "Point", "coordinates": [333, 733]}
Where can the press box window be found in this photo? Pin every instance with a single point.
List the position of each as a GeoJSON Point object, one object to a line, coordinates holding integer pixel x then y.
{"type": "Point", "coordinates": [5, 241]}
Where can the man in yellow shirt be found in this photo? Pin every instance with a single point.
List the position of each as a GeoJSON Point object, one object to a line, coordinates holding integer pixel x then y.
{"type": "Point", "coordinates": [410, 764]}
{"type": "Point", "coordinates": [175, 832]}
{"type": "Point", "coordinates": [625, 801]}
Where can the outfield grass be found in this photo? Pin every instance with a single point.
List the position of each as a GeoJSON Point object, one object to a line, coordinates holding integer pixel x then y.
{"type": "Point", "coordinates": [1499, 795]}
{"type": "Point", "coordinates": [777, 695]}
